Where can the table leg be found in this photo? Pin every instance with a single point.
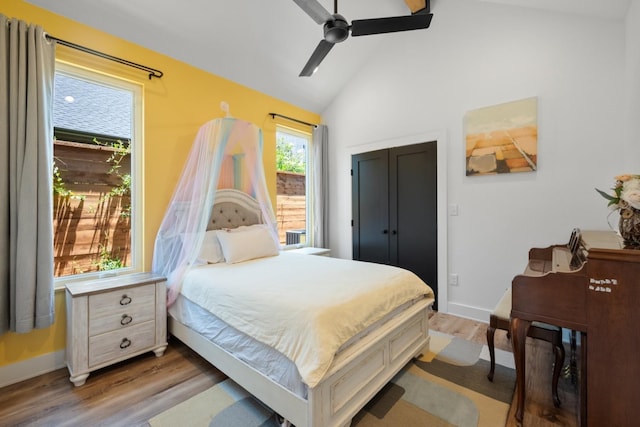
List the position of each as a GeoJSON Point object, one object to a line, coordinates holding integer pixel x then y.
{"type": "Point", "coordinates": [583, 379]}
{"type": "Point", "coordinates": [519, 331]}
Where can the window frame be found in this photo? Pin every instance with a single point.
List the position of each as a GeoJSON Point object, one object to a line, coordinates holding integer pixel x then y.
{"type": "Point", "coordinates": [308, 182]}
{"type": "Point", "coordinates": [137, 168]}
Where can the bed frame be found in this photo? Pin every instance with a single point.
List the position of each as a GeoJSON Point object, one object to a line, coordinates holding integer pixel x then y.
{"type": "Point", "coordinates": [356, 374]}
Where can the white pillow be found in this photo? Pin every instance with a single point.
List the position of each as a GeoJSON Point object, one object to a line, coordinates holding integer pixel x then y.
{"type": "Point", "coordinates": [247, 243]}
{"type": "Point", "coordinates": [211, 251]}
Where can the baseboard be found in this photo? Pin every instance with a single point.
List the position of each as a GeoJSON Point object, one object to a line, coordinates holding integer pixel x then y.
{"type": "Point", "coordinates": [16, 372]}
{"type": "Point", "coordinates": [468, 312]}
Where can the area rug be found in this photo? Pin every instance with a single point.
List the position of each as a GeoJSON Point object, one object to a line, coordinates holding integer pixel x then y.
{"type": "Point", "coordinates": [446, 387]}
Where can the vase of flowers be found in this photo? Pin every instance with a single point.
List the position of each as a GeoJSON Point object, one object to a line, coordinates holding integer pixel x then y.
{"type": "Point", "coordinates": [626, 199]}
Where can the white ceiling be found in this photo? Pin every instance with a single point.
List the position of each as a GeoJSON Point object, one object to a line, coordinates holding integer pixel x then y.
{"type": "Point", "coordinates": [264, 44]}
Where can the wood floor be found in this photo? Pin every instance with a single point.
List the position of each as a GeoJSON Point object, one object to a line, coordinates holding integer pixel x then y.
{"type": "Point", "coordinates": [539, 409]}
{"type": "Point", "coordinates": [130, 393]}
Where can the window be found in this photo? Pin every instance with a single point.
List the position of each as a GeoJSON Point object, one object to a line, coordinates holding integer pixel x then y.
{"type": "Point", "coordinates": [292, 201]}
{"type": "Point", "coordinates": [97, 155]}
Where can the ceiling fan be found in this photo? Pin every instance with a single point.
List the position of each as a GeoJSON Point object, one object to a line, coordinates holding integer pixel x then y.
{"type": "Point", "coordinates": [336, 28]}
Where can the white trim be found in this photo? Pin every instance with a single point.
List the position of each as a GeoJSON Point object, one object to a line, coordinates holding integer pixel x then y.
{"type": "Point", "coordinates": [440, 136]}
{"type": "Point", "coordinates": [31, 368]}
{"type": "Point", "coordinates": [469, 312]}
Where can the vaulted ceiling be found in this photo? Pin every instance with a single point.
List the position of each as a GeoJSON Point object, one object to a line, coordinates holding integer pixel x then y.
{"type": "Point", "coordinates": [264, 44]}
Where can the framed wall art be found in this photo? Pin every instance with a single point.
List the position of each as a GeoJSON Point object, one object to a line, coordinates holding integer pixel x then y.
{"type": "Point", "coordinates": [502, 138]}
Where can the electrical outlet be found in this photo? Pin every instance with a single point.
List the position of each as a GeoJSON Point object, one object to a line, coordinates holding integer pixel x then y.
{"type": "Point", "coordinates": [453, 279]}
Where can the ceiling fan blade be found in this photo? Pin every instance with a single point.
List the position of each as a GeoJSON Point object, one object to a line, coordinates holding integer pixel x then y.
{"type": "Point", "coordinates": [315, 10]}
{"type": "Point", "coordinates": [317, 56]}
{"type": "Point", "coordinates": [365, 27]}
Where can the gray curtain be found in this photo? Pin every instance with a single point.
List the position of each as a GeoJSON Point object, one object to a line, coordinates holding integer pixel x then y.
{"type": "Point", "coordinates": [320, 196]}
{"type": "Point", "coordinates": [27, 63]}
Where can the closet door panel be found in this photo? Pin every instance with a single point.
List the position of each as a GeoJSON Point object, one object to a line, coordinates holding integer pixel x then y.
{"type": "Point", "coordinates": [370, 206]}
{"type": "Point", "coordinates": [413, 210]}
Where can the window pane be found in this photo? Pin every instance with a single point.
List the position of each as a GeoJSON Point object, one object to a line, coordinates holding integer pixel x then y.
{"type": "Point", "coordinates": [291, 204]}
{"type": "Point", "coordinates": [93, 108]}
{"type": "Point", "coordinates": [93, 123]}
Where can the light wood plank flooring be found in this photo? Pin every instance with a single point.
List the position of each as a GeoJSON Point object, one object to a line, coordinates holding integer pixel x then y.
{"type": "Point", "coordinates": [130, 393]}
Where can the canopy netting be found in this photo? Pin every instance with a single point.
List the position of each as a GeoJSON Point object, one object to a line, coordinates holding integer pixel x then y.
{"type": "Point", "coordinates": [227, 153]}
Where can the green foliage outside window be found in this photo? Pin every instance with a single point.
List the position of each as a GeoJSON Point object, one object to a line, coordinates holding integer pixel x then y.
{"type": "Point", "coordinates": [121, 151]}
{"type": "Point", "coordinates": [106, 262]}
{"type": "Point", "coordinates": [288, 159]}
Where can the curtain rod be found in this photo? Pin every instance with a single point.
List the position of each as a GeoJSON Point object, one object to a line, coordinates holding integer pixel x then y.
{"type": "Point", "coordinates": [273, 116]}
{"type": "Point", "coordinates": [152, 71]}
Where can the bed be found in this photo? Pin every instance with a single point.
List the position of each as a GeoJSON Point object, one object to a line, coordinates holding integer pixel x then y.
{"type": "Point", "coordinates": [319, 375]}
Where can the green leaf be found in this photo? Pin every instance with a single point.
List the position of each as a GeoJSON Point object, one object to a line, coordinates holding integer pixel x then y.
{"type": "Point", "coordinates": [607, 196]}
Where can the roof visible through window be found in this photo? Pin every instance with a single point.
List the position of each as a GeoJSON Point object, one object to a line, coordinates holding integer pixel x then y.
{"type": "Point", "coordinates": [89, 107]}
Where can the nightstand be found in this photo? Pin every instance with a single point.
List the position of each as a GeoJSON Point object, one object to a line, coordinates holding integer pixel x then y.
{"type": "Point", "coordinates": [312, 251]}
{"type": "Point", "coordinates": [113, 319]}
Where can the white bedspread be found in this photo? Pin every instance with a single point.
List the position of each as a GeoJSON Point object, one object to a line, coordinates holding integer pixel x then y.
{"type": "Point", "coordinates": [304, 306]}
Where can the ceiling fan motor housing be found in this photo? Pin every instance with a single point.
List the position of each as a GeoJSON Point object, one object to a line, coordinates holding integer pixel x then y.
{"type": "Point", "coordinates": [336, 30]}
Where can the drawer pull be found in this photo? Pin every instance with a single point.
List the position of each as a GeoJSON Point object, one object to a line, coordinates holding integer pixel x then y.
{"type": "Point", "coordinates": [126, 342]}
{"type": "Point", "coordinates": [125, 300]}
{"type": "Point", "coordinates": [126, 319]}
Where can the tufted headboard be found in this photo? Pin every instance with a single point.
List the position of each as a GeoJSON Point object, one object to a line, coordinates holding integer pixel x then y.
{"type": "Point", "coordinates": [233, 208]}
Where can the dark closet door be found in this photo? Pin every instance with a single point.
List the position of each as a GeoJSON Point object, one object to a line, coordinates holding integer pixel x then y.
{"type": "Point", "coordinates": [370, 206]}
{"type": "Point", "coordinates": [394, 206]}
{"type": "Point", "coordinates": [413, 213]}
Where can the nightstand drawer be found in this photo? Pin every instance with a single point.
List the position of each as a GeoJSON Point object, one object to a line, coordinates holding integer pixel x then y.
{"type": "Point", "coordinates": [114, 310]}
{"type": "Point", "coordinates": [119, 344]}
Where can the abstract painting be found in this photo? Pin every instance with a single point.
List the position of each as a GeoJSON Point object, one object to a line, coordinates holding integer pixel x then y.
{"type": "Point", "coordinates": [502, 138]}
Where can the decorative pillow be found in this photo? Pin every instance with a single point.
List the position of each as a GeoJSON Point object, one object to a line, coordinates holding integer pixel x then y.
{"type": "Point", "coordinates": [247, 243]}
{"type": "Point", "coordinates": [211, 251]}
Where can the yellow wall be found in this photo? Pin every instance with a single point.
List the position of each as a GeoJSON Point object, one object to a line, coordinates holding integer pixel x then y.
{"type": "Point", "coordinates": [175, 107]}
